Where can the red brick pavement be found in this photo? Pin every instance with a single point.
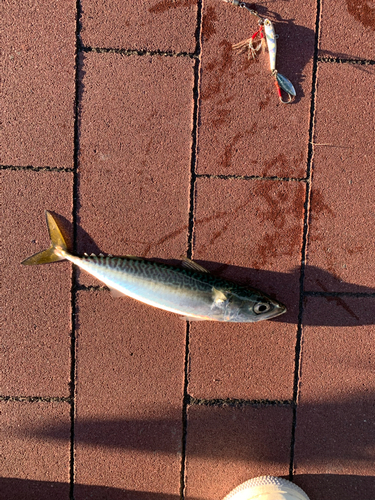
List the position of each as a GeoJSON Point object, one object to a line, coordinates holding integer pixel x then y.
{"type": "Point", "coordinates": [141, 129]}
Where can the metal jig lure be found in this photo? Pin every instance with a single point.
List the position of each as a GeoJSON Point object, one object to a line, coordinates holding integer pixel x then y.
{"type": "Point", "coordinates": [267, 37]}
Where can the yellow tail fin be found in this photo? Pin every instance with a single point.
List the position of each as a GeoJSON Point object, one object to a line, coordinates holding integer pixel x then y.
{"type": "Point", "coordinates": [57, 248]}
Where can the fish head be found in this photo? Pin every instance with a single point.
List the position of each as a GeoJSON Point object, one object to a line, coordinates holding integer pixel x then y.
{"type": "Point", "coordinates": [252, 307]}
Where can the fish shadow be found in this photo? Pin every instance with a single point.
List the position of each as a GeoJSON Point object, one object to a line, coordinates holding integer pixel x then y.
{"type": "Point", "coordinates": [354, 307]}
{"type": "Point", "coordinates": [320, 307]}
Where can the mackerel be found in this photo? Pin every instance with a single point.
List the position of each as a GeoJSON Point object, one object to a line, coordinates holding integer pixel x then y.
{"type": "Point", "coordinates": [190, 291]}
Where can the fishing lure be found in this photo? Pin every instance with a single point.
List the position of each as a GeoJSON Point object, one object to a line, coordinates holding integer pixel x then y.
{"type": "Point", "coordinates": [190, 291]}
{"type": "Point", "coordinates": [267, 37]}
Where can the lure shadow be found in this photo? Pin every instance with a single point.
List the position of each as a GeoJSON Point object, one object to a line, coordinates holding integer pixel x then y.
{"type": "Point", "coordinates": [295, 47]}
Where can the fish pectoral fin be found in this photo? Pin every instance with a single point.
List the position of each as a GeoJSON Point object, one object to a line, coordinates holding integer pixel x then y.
{"type": "Point", "coordinates": [192, 318]}
{"type": "Point", "coordinates": [190, 264]}
{"type": "Point", "coordinates": [116, 293]}
{"type": "Point", "coordinates": [218, 296]}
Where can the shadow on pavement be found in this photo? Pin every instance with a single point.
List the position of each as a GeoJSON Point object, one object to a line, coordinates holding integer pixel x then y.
{"type": "Point", "coordinates": [26, 489]}
{"type": "Point", "coordinates": [326, 431]}
{"type": "Point", "coordinates": [318, 486]}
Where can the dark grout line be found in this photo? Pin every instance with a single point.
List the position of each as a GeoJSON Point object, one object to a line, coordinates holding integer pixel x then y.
{"type": "Point", "coordinates": [36, 169]}
{"type": "Point", "coordinates": [240, 403]}
{"type": "Point", "coordinates": [37, 399]}
{"type": "Point", "coordinates": [139, 52]}
{"type": "Point", "coordinates": [298, 346]}
{"type": "Point", "coordinates": [339, 60]}
{"type": "Point", "coordinates": [74, 272]}
{"type": "Point", "coordinates": [193, 177]}
{"type": "Point", "coordinates": [185, 404]}
{"type": "Point", "coordinates": [339, 294]}
{"type": "Point", "coordinates": [251, 178]}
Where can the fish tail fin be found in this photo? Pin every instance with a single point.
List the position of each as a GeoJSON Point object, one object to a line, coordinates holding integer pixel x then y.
{"type": "Point", "coordinates": [58, 247]}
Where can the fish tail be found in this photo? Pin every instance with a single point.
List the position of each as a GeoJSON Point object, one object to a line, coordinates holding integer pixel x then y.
{"type": "Point", "coordinates": [58, 249]}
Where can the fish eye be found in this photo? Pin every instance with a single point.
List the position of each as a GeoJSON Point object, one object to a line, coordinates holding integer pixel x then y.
{"type": "Point", "coordinates": [261, 307]}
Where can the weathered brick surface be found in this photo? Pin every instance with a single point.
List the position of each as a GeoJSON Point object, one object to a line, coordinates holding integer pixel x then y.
{"type": "Point", "coordinates": [164, 25]}
{"type": "Point", "coordinates": [33, 455]}
{"type": "Point", "coordinates": [243, 129]}
{"type": "Point", "coordinates": [227, 446]}
{"type": "Point", "coordinates": [347, 29]}
{"type": "Point", "coordinates": [341, 235]}
{"type": "Point", "coordinates": [38, 83]}
{"type": "Point", "coordinates": [243, 230]}
{"type": "Point", "coordinates": [36, 300]}
{"type": "Point", "coordinates": [335, 415]}
{"type": "Point", "coordinates": [135, 155]}
{"type": "Point", "coordinates": [130, 369]}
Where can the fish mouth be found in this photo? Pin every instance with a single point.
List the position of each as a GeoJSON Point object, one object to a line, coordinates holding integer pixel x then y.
{"type": "Point", "coordinates": [277, 311]}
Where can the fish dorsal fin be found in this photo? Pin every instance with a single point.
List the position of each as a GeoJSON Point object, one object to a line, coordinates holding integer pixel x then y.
{"type": "Point", "coordinates": [133, 257]}
{"type": "Point", "coordinates": [218, 296]}
{"type": "Point", "coordinates": [190, 264]}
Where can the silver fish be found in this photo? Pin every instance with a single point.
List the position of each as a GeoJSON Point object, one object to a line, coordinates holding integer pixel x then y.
{"type": "Point", "coordinates": [190, 291]}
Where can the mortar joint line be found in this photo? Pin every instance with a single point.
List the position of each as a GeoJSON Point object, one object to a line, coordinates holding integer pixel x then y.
{"type": "Point", "coordinates": [36, 169]}
{"type": "Point", "coordinates": [37, 399]}
{"type": "Point", "coordinates": [137, 52]}
{"type": "Point", "coordinates": [240, 403]}
{"type": "Point", "coordinates": [190, 235]}
{"type": "Point", "coordinates": [251, 177]}
{"type": "Point", "coordinates": [74, 272]}
{"type": "Point", "coordinates": [341, 60]}
{"type": "Point", "coordinates": [309, 169]}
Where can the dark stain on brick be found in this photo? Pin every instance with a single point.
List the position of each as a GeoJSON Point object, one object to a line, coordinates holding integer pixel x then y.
{"type": "Point", "coordinates": [318, 205]}
{"type": "Point", "coordinates": [226, 158]}
{"type": "Point", "coordinates": [362, 11]}
{"type": "Point", "coordinates": [208, 23]}
{"type": "Point", "coordinates": [165, 5]}
{"type": "Point", "coordinates": [218, 67]}
{"type": "Point", "coordinates": [222, 117]}
{"type": "Point", "coordinates": [298, 164]}
{"type": "Point", "coordinates": [287, 237]}
{"type": "Point", "coordinates": [278, 164]}
{"type": "Point", "coordinates": [355, 250]}
{"type": "Point", "coordinates": [264, 103]}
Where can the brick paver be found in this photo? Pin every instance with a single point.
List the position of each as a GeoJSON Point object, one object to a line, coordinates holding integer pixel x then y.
{"type": "Point", "coordinates": [36, 341]}
{"type": "Point", "coordinates": [141, 129]}
{"type": "Point", "coordinates": [38, 83]}
{"type": "Point", "coordinates": [30, 459]}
